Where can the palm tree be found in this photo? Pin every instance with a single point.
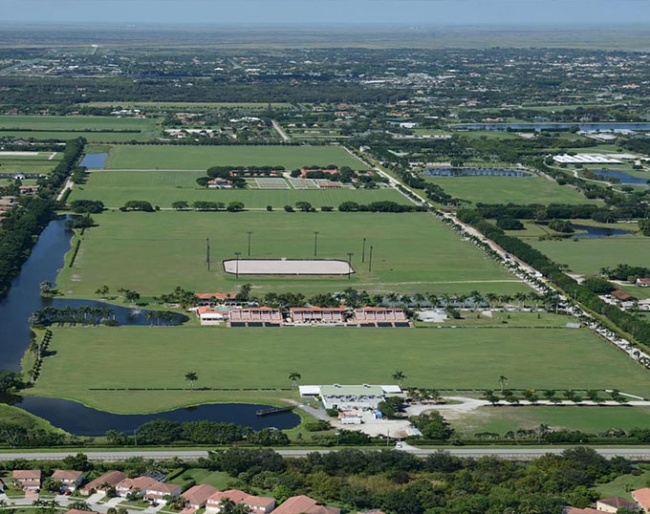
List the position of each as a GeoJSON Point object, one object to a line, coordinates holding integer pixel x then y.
{"type": "Point", "coordinates": [191, 377]}
{"type": "Point", "coordinates": [491, 298]}
{"type": "Point", "coordinates": [294, 376]}
{"type": "Point", "coordinates": [399, 377]}
{"type": "Point", "coordinates": [542, 430]}
{"type": "Point", "coordinates": [503, 380]}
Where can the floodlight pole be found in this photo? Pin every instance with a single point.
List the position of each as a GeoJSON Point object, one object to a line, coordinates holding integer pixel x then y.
{"type": "Point", "coordinates": [370, 260]}
{"type": "Point", "coordinates": [350, 265]}
{"type": "Point", "coordinates": [237, 254]}
{"type": "Point", "coordinates": [315, 243]}
{"type": "Point", "coordinates": [249, 243]}
{"type": "Point", "coordinates": [207, 252]}
{"type": "Point", "coordinates": [363, 251]}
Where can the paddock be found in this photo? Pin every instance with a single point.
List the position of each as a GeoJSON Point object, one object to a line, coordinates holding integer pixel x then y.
{"type": "Point", "coordinates": [287, 267]}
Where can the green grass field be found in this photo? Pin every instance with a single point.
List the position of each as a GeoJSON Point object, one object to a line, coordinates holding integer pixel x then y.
{"type": "Point", "coordinates": [162, 188]}
{"type": "Point", "coordinates": [159, 357]}
{"type": "Point", "coordinates": [93, 128]}
{"type": "Point", "coordinates": [202, 157]}
{"type": "Point", "coordinates": [44, 162]}
{"type": "Point", "coordinates": [154, 252]}
{"type": "Point", "coordinates": [218, 479]}
{"type": "Point", "coordinates": [588, 256]}
{"type": "Point", "coordinates": [518, 190]}
{"type": "Point", "coordinates": [623, 485]}
{"type": "Point", "coordinates": [592, 420]}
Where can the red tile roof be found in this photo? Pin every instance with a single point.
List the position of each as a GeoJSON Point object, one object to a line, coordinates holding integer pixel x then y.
{"type": "Point", "coordinates": [65, 475]}
{"type": "Point", "coordinates": [27, 474]}
{"type": "Point", "coordinates": [642, 496]}
{"type": "Point", "coordinates": [304, 505]}
{"type": "Point", "coordinates": [111, 478]}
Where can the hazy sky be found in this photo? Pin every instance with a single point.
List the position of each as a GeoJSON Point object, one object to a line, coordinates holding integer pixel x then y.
{"type": "Point", "coordinates": [415, 12]}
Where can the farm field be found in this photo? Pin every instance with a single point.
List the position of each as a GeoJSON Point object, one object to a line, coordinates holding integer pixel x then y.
{"type": "Point", "coordinates": [202, 157]}
{"type": "Point", "coordinates": [93, 137]}
{"type": "Point", "coordinates": [588, 256]}
{"type": "Point", "coordinates": [518, 190]}
{"type": "Point", "coordinates": [159, 357]}
{"type": "Point", "coordinates": [587, 419]}
{"type": "Point", "coordinates": [412, 253]}
{"type": "Point", "coordinates": [162, 188]}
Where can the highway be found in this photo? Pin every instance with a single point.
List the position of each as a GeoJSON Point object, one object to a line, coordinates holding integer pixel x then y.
{"type": "Point", "coordinates": [518, 453]}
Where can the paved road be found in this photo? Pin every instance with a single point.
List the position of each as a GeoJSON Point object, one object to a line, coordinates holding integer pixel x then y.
{"type": "Point", "coordinates": [279, 130]}
{"type": "Point", "coordinates": [517, 453]}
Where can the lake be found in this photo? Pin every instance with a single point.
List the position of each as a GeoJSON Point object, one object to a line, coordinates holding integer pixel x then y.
{"type": "Point", "coordinates": [77, 419]}
{"type": "Point", "coordinates": [598, 232]}
{"type": "Point", "coordinates": [623, 177]}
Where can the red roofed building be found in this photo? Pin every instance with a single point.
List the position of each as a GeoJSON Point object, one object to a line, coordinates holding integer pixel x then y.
{"type": "Point", "coordinates": [198, 495]}
{"type": "Point", "coordinates": [134, 485]}
{"type": "Point", "coordinates": [253, 504]}
{"type": "Point", "coordinates": [304, 505]}
{"type": "Point", "coordinates": [212, 298]}
{"type": "Point", "coordinates": [107, 480]}
{"type": "Point", "coordinates": [70, 480]}
{"type": "Point", "coordinates": [320, 314]}
{"type": "Point", "coordinates": [159, 490]}
{"type": "Point", "coordinates": [621, 295]}
{"type": "Point", "coordinates": [643, 282]}
{"type": "Point", "coordinates": [374, 314]}
{"type": "Point", "coordinates": [612, 505]}
{"type": "Point", "coordinates": [27, 479]}
{"type": "Point", "coordinates": [77, 511]}
{"type": "Point", "coordinates": [256, 314]}
{"type": "Point", "coordinates": [642, 497]}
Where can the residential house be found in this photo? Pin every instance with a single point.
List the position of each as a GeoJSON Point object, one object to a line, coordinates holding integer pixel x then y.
{"type": "Point", "coordinates": [70, 480]}
{"type": "Point", "coordinates": [304, 505]}
{"type": "Point", "coordinates": [104, 482]}
{"type": "Point", "coordinates": [253, 504]}
{"type": "Point", "coordinates": [159, 491]}
{"type": "Point", "coordinates": [198, 495]}
{"type": "Point", "coordinates": [612, 505]}
{"type": "Point", "coordinates": [27, 479]}
{"type": "Point", "coordinates": [643, 282]}
{"type": "Point", "coordinates": [133, 486]}
{"type": "Point", "coordinates": [642, 497]}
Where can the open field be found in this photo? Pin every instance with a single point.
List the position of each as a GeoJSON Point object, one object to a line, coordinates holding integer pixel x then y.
{"type": "Point", "coordinates": [163, 188]}
{"type": "Point", "coordinates": [592, 420]}
{"type": "Point", "coordinates": [588, 256]}
{"type": "Point", "coordinates": [412, 253]}
{"type": "Point", "coordinates": [93, 128]}
{"type": "Point", "coordinates": [203, 157]}
{"type": "Point", "coordinates": [218, 479]}
{"type": "Point", "coordinates": [518, 190]}
{"type": "Point", "coordinates": [147, 357]}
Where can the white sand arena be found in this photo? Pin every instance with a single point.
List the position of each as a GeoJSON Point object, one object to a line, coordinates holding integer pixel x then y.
{"type": "Point", "coordinates": [287, 267]}
{"type": "Point", "coordinates": [19, 154]}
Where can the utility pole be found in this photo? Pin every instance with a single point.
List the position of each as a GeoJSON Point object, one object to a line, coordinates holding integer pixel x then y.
{"type": "Point", "coordinates": [315, 243]}
{"type": "Point", "coordinates": [363, 251]}
{"type": "Point", "coordinates": [249, 243]}
{"type": "Point", "coordinates": [237, 254]}
{"type": "Point", "coordinates": [350, 265]}
{"type": "Point", "coordinates": [370, 260]}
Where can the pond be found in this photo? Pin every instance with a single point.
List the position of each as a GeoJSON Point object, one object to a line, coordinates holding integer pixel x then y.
{"type": "Point", "coordinates": [94, 161]}
{"type": "Point", "coordinates": [463, 172]}
{"type": "Point", "coordinates": [77, 419]}
{"type": "Point", "coordinates": [623, 178]}
{"type": "Point", "coordinates": [598, 232]}
{"type": "Point", "coordinates": [24, 299]}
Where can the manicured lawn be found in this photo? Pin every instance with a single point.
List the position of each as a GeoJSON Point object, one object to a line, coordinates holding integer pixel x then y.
{"type": "Point", "coordinates": [203, 157]}
{"type": "Point", "coordinates": [15, 415]}
{"type": "Point", "coordinates": [163, 188]}
{"type": "Point", "coordinates": [469, 358]}
{"type": "Point", "coordinates": [218, 479]}
{"type": "Point", "coordinates": [503, 320]}
{"type": "Point", "coordinates": [153, 253]}
{"type": "Point", "coordinates": [592, 420]}
{"type": "Point", "coordinates": [518, 190]}
{"type": "Point", "coordinates": [588, 256]}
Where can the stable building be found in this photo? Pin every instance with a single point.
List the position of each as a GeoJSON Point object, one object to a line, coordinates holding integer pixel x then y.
{"type": "Point", "coordinates": [350, 397]}
{"type": "Point", "coordinates": [317, 314]}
